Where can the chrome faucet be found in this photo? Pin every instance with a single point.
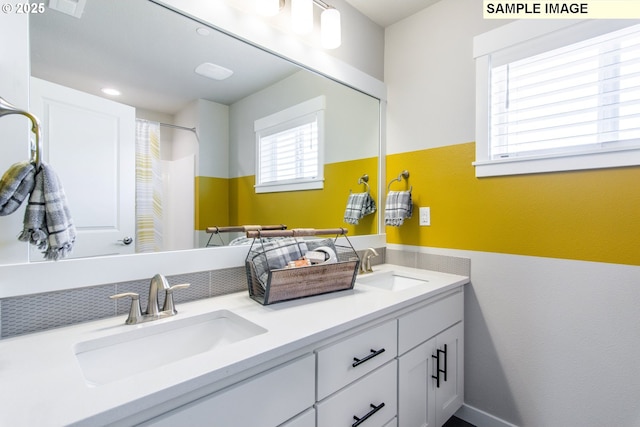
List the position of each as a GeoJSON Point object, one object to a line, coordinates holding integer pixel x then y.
{"type": "Point", "coordinates": [365, 266]}
{"type": "Point", "coordinates": [153, 312]}
{"type": "Point", "coordinates": [157, 282]}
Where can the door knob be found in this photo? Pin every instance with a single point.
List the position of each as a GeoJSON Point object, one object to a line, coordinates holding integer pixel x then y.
{"type": "Point", "coordinates": [126, 240]}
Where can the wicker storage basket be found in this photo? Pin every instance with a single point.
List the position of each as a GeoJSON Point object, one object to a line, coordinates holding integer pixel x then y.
{"type": "Point", "coordinates": [270, 285]}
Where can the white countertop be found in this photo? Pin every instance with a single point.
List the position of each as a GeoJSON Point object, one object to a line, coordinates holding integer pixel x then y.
{"type": "Point", "coordinates": [42, 382]}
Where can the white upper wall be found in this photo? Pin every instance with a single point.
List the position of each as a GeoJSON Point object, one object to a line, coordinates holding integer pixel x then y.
{"type": "Point", "coordinates": [358, 62]}
{"type": "Point", "coordinates": [430, 76]}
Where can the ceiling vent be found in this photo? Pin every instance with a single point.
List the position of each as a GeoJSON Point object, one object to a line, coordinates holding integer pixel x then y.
{"type": "Point", "coordinates": [70, 7]}
{"type": "Point", "coordinates": [213, 71]}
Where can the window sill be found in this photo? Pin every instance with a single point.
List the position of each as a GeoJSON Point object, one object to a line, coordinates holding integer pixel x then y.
{"type": "Point", "coordinates": [558, 163]}
{"type": "Point", "coordinates": [316, 184]}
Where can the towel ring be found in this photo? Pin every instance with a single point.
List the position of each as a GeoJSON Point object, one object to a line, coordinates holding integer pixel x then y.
{"type": "Point", "coordinates": [7, 108]}
{"type": "Point", "coordinates": [404, 174]}
{"type": "Point", "coordinates": [364, 179]}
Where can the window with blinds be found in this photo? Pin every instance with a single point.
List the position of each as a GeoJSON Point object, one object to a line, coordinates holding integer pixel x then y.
{"type": "Point", "coordinates": [581, 97]}
{"type": "Point", "coordinates": [289, 149]}
{"type": "Point", "coordinates": [554, 95]}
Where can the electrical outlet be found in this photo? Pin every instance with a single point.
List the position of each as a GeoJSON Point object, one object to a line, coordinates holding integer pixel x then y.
{"type": "Point", "coordinates": [425, 216]}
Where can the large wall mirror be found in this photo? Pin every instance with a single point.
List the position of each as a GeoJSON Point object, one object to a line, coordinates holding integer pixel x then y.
{"type": "Point", "coordinates": [206, 138]}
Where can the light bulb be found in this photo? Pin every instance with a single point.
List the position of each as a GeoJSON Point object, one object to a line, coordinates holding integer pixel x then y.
{"type": "Point", "coordinates": [268, 7]}
{"type": "Point", "coordinates": [302, 16]}
{"type": "Point", "coordinates": [330, 32]}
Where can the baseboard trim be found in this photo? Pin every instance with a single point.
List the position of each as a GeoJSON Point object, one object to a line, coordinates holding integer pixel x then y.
{"type": "Point", "coordinates": [480, 418]}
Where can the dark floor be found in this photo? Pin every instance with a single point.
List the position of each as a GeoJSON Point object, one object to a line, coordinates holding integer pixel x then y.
{"type": "Point", "coordinates": [457, 422]}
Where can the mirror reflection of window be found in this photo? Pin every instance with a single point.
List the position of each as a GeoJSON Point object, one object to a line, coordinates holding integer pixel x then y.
{"type": "Point", "coordinates": [290, 147]}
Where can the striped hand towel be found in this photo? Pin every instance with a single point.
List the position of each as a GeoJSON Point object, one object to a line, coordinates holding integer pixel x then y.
{"type": "Point", "coordinates": [15, 186]}
{"type": "Point", "coordinates": [47, 220]}
{"type": "Point", "coordinates": [398, 207]}
{"type": "Point", "coordinates": [358, 205]}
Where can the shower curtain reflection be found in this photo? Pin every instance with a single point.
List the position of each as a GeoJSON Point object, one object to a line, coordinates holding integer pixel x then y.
{"type": "Point", "coordinates": [148, 187]}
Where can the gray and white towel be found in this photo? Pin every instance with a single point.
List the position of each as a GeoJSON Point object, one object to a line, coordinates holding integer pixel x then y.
{"type": "Point", "coordinates": [274, 255]}
{"type": "Point", "coordinates": [47, 220]}
{"type": "Point", "coordinates": [398, 207]}
{"type": "Point", "coordinates": [15, 185]}
{"type": "Point", "coordinates": [358, 205]}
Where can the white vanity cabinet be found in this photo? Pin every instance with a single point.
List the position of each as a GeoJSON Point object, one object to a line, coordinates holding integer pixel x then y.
{"type": "Point", "coordinates": [430, 363]}
{"type": "Point", "coordinates": [326, 361]}
{"type": "Point", "coordinates": [392, 423]}
{"type": "Point", "coordinates": [403, 371]}
{"type": "Point", "coordinates": [306, 419]}
{"type": "Point", "coordinates": [265, 400]}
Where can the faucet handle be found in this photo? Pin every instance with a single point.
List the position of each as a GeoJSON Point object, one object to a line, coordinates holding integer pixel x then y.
{"type": "Point", "coordinates": [180, 286]}
{"type": "Point", "coordinates": [135, 312]}
{"type": "Point", "coordinates": [169, 305]}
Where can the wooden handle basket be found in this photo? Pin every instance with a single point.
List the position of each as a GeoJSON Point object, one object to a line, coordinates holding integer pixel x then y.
{"type": "Point", "coordinates": [217, 231]}
{"type": "Point", "coordinates": [284, 284]}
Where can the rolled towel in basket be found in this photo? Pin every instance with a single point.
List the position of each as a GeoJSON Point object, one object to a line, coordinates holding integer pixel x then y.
{"type": "Point", "coordinates": [398, 207]}
{"type": "Point", "coordinates": [274, 255]}
{"type": "Point", "coordinates": [15, 185]}
{"type": "Point", "coordinates": [47, 220]}
{"type": "Point", "coordinates": [358, 205]}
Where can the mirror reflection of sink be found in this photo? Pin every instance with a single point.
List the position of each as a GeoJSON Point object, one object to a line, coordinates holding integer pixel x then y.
{"type": "Point", "coordinates": [390, 281]}
{"type": "Point", "coordinates": [119, 356]}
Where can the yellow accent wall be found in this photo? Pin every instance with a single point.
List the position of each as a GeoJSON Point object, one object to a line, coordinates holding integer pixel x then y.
{"type": "Point", "coordinates": [589, 215]}
{"type": "Point", "coordinates": [301, 209]}
{"type": "Point", "coordinates": [211, 199]}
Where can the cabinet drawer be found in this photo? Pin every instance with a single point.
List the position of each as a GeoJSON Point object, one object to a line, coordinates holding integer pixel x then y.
{"type": "Point", "coordinates": [372, 347]}
{"type": "Point", "coordinates": [424, 323]}
{"type": "Point", "coordinates": [306, 419]}
{"type": "Point", "coordinates": [268, 399]}
{"type": "Point", "coordinates": [359, 398]}
{"type": "Point", "coordinates": [392, 423]}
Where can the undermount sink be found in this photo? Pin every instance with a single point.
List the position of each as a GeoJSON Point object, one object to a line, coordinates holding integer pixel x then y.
{"type": "Point", "coordinates": [390, 281]}
{"type": "Point", "coordinates": [119, 356]}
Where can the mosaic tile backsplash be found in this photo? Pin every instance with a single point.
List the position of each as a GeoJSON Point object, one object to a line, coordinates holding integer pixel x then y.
{"type": "Point", "coordinates": [33, 313]}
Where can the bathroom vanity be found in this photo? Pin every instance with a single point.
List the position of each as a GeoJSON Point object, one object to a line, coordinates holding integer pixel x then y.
{"type": "Point", "coordinates": [387, 353]}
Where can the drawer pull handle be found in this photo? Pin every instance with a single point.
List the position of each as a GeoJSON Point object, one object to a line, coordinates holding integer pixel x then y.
{"type": "Point", "coordinates": [371, 412]}
{"type": "Point", "coordinates": [438, 370]}
{"type": "Point", "coordinates": [373, 354]}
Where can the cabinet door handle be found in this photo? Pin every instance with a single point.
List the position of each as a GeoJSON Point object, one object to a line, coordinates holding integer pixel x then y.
{"type": "Point", "coordinates": [444, 353]}
{"type": "Point", "coordinates": [438, 370]}
{"type": "Point", "coordinates": [373, 354]}
{"type": "Point", "coordinates": [370, 413]}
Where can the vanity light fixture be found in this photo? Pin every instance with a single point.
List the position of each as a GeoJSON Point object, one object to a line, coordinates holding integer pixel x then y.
{"type": "Point", "coordinates": [302, 18]}
{"type": "Point", "coordinates": [330, 32]}
{"type": "Point", "coordinates": [269, 7]}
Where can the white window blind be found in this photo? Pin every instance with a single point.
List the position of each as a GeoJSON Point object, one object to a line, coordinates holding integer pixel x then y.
{"type": "Point", "coordinates": [557, 95]}
{"type": "Point", "coordinates": [290, 151]}
{"type": "Point", "coordinates": [578, 98]}
{"type": "Point", "coordinates": [290, 147]}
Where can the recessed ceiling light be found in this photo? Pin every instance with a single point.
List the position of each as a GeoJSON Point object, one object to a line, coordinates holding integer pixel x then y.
{"type": "Point", "coordinates": [213, 71]}
{"type": "Point", "coordinates": [110, 91]}
{"type": "Point", "coordinates": [203, 31]}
